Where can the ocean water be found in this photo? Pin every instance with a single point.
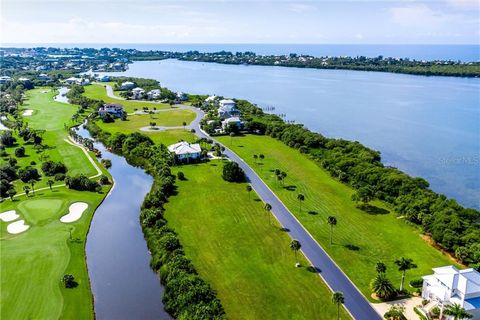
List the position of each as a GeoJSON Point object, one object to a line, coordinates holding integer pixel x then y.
{"type": "Point", "coordinates": [465, 53]}
{"type": "Point", "coordinates": [425, 126]}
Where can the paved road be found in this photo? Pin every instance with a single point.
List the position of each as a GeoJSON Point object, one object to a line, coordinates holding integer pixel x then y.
{"type": "Point", "coordinates": [355, 302]}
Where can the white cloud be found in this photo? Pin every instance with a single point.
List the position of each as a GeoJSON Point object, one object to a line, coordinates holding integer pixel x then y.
{"type": "Point", "coordinates": [415, 15]}
{"type": "Point", "coordinates": [301, 7]}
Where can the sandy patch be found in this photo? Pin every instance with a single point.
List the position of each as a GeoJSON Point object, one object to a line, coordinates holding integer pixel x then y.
{"type": "Point", "coordinates": [17, 227]}
{"type": "Point", "coordinates": [75, 212]}
{"type": "Point", "coordinates": [44, 91]}
{"type": "Point", "coordinates": [8, 216]}
{"type": "Point", "coordinates": [27, 113]}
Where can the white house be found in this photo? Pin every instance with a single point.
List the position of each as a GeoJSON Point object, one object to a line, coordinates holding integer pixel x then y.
{"type": "Point", "coordinates": [43, 77]}
{"type": "Point", "coordinates": [5, 79]}
{"type": "Point", "coordinates": [184, 150]}
{"type": "Point", "coordinates": [115, 110]}
{"type": "Point", "coordinates": [137, 93]}
{"type": "Point", "coordinates": [154, 94]}
{"type": "Point", "coordinates": [227, 109]}
{"type": "Point", "coordinates": [103, 78]}
{"type": "Point", "coordinates": [232, 121]}
{"type": "Point", "coordinates": [181, 96]}
{"type": "Point", "coordinates": [127, 85]}
{"type": "Point", "coordinates": [211, 99]}
{"type": "Point", "coordinates": [80, 81]}
{"type": "Point", "coordinates": [448, 285]}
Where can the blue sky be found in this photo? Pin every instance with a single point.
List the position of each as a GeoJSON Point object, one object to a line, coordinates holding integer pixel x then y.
{"type": "Point", "coordinates": [142, 21]}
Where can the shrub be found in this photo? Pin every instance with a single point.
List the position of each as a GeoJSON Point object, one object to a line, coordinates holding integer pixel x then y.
{"type": "Point", "coordinates": [81, 183]}
{"type": "Point", "coordinates": [8, 172]}
{"type": "Point", "coordinates": [69, 281]}
{"type": "Point", "coordinates": [103, 180]}
{"type": "Point", "coordinates": [435, 311]}
{"type": "Point", "coordinates": [7, 139]}
{"type": "Point", "coordinates": [108, 118]}
{"type": "Point", "coordinates": [416, 283]}
{"type": "Point", "coordinates": [107, 163]}
{"type": "Point", "coordinates": [233, 173]}
{"type": "Point", "coordinates": [28, 174]}
{"type": "Point", "coordinates": [180, 175]}
{"type": "Point", "coordinates": [51, 168]}
{"type": "Point", "coordinates": [20, 152]}
{"type": "Point", "coordinates": [60, 177]}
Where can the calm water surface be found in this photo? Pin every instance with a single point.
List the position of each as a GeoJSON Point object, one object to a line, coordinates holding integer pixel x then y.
{"type": "Point", "coordinates": [425, 126]}
{"type": "Point", "coordinates": [123, 285]}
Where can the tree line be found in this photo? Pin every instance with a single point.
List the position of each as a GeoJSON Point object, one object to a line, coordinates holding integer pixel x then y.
{"type": "Point", "coordinates": [186, 295]}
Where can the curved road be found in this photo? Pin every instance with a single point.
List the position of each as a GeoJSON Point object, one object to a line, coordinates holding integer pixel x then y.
{"type": "Point", "coordinates": [355, 303]}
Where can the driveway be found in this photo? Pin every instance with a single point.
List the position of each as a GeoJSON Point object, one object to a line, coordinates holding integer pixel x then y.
{"type": "Point", "coordinates": [407, 303]}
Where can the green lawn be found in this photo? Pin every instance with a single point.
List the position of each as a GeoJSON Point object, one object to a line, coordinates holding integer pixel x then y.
{"type": "Point", "coordinates": [98, 91]}
{"type": "Point", "coordinates": [50, 116]}
{"type": "Point", "coordinates": [33, 262]}
{"type": "Point", "coordinates": [377, 237]}
{"type": "Point", "coordinates": [173, 118]}
{"type": "Point", "coordinates": [246, 258]}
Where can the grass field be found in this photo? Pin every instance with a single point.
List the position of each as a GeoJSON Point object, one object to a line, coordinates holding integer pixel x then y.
{"type": "Point", "coordinates": [98, 91]}
{"type": "Point", "coordinates": [246, 258]}
{"type": "Point", "coordinates": [360, 239]}
{"type": "Point", "coordinates": [33, 262]}
{"type": "Point", "coordinates": [50, 116]}
{"type": "Point", "coordinates": [172, 118]}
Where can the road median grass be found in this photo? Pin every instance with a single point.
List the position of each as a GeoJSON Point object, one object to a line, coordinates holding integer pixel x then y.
{"type": "Point", "coordinates": [241, 251]}
{"type": "Point", "coordinates": [360, 239]}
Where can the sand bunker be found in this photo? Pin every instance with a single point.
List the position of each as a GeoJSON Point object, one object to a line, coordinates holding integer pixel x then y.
{"type": "Point", "coordinates": [9, 216]}
{"type": "Point", "coordinates": [17, 227]}
{"type": "Point", "coordinates": [27, 112]}
{"type": "Point", "coordinates": [75, 212]}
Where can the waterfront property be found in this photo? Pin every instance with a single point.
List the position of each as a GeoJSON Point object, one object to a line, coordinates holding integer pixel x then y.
{"type": "Point", "coordinates": [79, 81]}
{"type": "Point", "coordinates": [365, 238]}
{"type": "Point", "coordinates": [153, 94]}
{"type": "Point", "coordinates": [113, 109]}
{"type": "Point", "coordinates": [232, 121]}
{"type": "Point", "coordinates": [227, 108]}
{"type": "Point", "coordinates": [104, 78]}
{"type": "Point", "coordinates": [239, 248]}
{"type": "Point", "coordinates": [449, 285]}
{"type": "Point", "coordinates": [185, 151]}
{"type": "Point", "coordinates": [137, 93]}
{"type": "Point", "coordinates": [127, 85]}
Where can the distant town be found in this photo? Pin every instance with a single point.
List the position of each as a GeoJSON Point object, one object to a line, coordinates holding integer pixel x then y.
{"type": "Point", "coordinates": [115, 59]}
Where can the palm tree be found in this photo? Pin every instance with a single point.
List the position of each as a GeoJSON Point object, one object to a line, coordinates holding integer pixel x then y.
{"type": "Point", "coordinates": [404, 264]}
{"type": "Point", "coordinates": [382, 286]}
{"type": "Point", "coordinates": [457, 312]}
{"type": "Point", "coordinates": [50, 183]}
{"type": "Point", "coordinates": [338, 299]}
{"type": "Point", "coordinates": [32, 183]}
{"type": "Point", "coordinates": [249, 189]}
{"type": "Point", "coordinates": [295, 245]}
{"type": "Point", "coordinates": [11, 193]}
{"type": "Point", "coordinates": [26, 189]}
{"type": "Point", "coordinates": [284, 175]}
{"type": "Point", "coordinates": [232, 134]}
{"type": "Point", "coordinates": [255, 157]}
{"type": "Point", "coordinates": [261, 156]}
{"type": "Point", "coordinates": [268, 208]}
{"type": "Point", "coordinates": [381, 267]}
{"type": "Point", "coordinates": [332, 221]}
{"type": "Point", "coordinates": [184, 124]}
{"type": "Point", "coordinates": [301, 198]}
